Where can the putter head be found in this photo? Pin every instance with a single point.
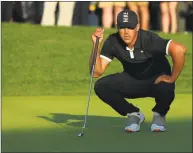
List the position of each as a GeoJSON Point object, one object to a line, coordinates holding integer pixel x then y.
{"type": "Point", "coordinates": [80, 134]}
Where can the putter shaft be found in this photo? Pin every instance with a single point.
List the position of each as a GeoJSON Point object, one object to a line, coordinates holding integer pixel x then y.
{"type": "Point", "coordinates": [91, 79]}
{"type": "Point", "coordinates": [89, 94]}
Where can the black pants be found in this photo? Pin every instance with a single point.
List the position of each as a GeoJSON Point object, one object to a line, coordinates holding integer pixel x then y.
{"type": "Point", "coordinates": [113, 90]}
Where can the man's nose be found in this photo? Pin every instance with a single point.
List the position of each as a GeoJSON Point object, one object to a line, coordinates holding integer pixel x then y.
{"type": "Point", "coordinates": [126, 30]}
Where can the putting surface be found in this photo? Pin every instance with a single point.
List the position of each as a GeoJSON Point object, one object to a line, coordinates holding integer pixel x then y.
{"type": "Point", "coordinates": [51, 124]}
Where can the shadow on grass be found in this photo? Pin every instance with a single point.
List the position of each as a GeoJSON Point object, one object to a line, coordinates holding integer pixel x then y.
{"type": "Point", "coordinates": [108, 122]}
{"type": "Point", "coordinates": [92, 121]}
{"type": "Point", "coordinates": [103, 134]}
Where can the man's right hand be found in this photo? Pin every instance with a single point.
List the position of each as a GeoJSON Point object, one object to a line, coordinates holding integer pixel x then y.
{"type": "Point", "coordinates": [98, 33]}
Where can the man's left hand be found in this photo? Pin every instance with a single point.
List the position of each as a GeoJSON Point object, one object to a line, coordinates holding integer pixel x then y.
{"type": "Point", "coordinates": [164, 78]}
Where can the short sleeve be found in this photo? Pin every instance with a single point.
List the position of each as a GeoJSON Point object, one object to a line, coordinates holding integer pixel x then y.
{"type": "Point", "coordinates": [107, 50]}
{"type": "Point", "coordinates": [158, 45]}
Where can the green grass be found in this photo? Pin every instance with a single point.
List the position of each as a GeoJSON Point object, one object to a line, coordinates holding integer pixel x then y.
{"type": "Point", "coordinates": [54, 61]}
{"type": "Point", "coordinates": [45, 82]}
{"type": "Point", "coordinates": [51, 124]}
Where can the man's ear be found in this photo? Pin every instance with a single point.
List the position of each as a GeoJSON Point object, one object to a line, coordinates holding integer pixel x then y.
{"type": "Point", "coordinates": [138, 27]}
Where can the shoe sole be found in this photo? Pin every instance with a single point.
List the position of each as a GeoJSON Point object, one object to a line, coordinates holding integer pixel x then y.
{"type": "Point", "coordinates": [131, 131]}
{"type": "Point", "coordinates": [158, 129]}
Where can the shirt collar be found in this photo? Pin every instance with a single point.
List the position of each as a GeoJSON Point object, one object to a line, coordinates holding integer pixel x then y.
{"type": "Point", "coordinates": [127, 48]}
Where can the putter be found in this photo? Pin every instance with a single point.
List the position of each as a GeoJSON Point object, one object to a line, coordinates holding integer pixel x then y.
{"type": "Point", "coordinates": [91, 79]}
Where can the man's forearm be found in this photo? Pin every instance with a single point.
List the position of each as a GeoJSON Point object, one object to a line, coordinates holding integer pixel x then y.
{"type": "Point", "coordinates": [98, 65]}
{"type": "Point", "coordinates": [178, 64]}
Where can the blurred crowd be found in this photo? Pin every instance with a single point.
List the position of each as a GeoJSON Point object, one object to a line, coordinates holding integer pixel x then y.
{"type": "Point", "coordinates": [166, 16]}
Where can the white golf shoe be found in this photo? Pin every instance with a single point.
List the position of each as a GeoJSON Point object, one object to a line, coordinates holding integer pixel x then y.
{"type": "Point", "coordinates": [158, 123]}
{"type": "Point", "coordinates": [134, 121]}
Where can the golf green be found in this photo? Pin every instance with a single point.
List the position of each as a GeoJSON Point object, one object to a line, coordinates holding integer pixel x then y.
{"type": "Point", "coordinates": [51, 124]}
{"type": "Point", "coordinates": [45, 82]}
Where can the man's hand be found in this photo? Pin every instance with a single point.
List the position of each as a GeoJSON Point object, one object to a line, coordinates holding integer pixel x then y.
{"type": "Point", "coordinates": [164, 78]}
{"type": "Point", "coordinates": [98, 33]}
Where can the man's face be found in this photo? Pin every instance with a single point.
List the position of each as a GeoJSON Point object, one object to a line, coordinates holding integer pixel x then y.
{"type": "Point", "coordinates": [128, 35]}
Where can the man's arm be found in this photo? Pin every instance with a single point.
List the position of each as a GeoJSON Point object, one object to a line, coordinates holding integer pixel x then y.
{"type": "Point", "coordinates": [177, 52]}
{"type": "Point", "coordinates": [101, 63]}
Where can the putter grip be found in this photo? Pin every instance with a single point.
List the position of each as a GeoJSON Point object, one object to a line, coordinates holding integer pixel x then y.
{"type": "Point", "coordinates": [95, 51]}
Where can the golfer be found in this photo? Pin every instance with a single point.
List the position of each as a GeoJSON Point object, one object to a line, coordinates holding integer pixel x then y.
{"type": "Point", "coordinates": [146, 70]}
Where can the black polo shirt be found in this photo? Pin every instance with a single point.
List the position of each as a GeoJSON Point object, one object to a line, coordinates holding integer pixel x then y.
{"type": "Point", "coordinates": [147, 59]}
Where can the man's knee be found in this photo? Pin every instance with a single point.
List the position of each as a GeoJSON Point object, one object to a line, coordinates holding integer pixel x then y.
{"type": "Point", "coordinates": [164, 87]}
{"type": "Point", "coordinates": [101, 86]}
{"type": "Point", "coordinates": [97, 86]}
